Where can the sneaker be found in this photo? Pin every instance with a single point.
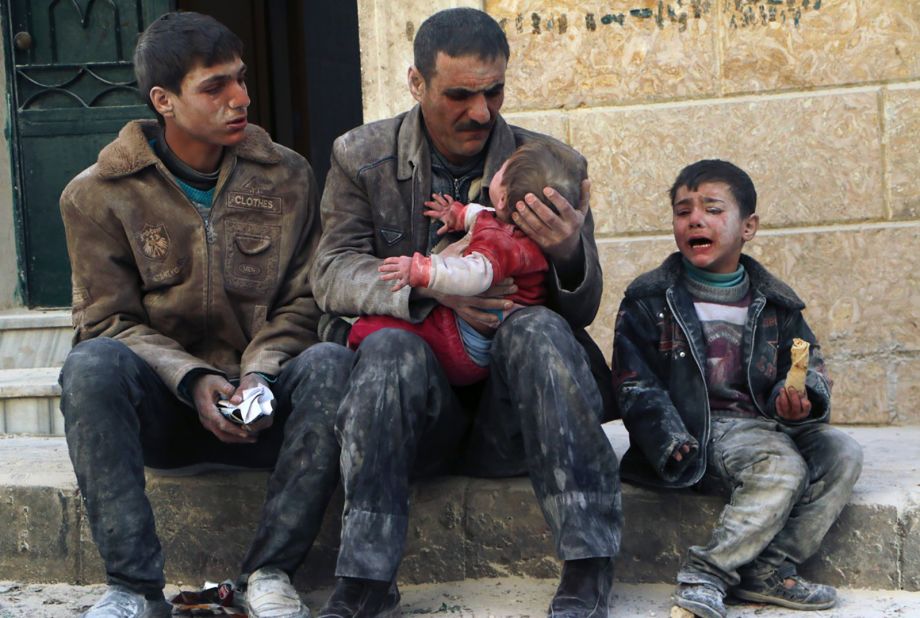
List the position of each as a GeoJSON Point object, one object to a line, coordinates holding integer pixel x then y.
{"type": "Point", "coordinates": [703, 600]}
{"type": "Point", "coordinates": [803, 594]}
{"type": "Point", "coordinates": [119, 602]}
{"type": "Point", "coordinates": [362, 598]}
{"type": "Point", "coordinates": [585, 590]}
{"type": "Point", "coordinates": [269, 594]}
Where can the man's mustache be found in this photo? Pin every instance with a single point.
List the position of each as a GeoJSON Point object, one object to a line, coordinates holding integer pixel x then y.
{"type": "Point", "coordinates": [472, 125]}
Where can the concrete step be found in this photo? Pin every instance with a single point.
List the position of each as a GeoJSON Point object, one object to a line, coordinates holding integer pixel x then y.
{"type": "Point", "coordinates": [34, 338]}
{"type": "Point", "coordinates": [460, 528]}
{"type": "Point", "coordinates": [33, 346]}
{"type": "Point", "coordinates": [506, 596]}
{"type": "Point", "coordinates": [30, 401]}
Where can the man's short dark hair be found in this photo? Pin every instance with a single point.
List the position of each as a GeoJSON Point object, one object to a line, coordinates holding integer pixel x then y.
{"type": "Point", "coordinates": [716, 170]}
{"type": "Point", "coordinates": [176, 43]}
{"type": "Point", "coordinates": [458, 32]}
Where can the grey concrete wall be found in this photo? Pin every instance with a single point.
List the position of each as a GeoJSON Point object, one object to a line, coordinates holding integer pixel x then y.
{"type": "Point", "coordinates": [8, 265]}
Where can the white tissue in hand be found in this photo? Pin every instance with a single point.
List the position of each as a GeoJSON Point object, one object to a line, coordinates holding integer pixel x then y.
{"type": "Point", "coordinates": [257, 402]}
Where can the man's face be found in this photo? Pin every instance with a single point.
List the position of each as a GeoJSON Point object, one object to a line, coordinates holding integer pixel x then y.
{"type": "Point", "coordinates": [212, 107]}
{"type": "Point", "coordinates": [708, 226]}
{"type": "Point", "coordinates": [460, 103]}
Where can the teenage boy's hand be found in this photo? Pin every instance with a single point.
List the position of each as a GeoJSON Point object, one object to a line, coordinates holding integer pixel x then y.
{"type": "Point", "coordinates": [252, 380]}
{"type": "Point", "coordinates": [206, 391]}
{"type": "Point", "coordinates": [792, 405]}
{"type": "Point", "coordinates": [558, 235]}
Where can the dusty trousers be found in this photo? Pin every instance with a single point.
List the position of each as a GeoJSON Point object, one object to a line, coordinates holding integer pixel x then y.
{"type": "Point", "coordinates": [538, 414]}
{"type": "Point", "coordinates": [119, 416]}
{"type": "Point", "coordinates": [788, 484]}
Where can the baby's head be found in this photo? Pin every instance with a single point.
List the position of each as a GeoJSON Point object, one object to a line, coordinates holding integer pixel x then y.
{"type": "Point", "coordinates": [532, 167]}
{"type": "Point", "coordinates": [712, 213]}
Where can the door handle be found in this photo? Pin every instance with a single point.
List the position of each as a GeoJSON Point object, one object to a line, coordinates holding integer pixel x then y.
{"type": "Point", "coordinates": [22, 41]}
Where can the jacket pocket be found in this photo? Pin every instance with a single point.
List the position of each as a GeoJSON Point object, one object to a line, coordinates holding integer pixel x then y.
{"type": "Point", "coordinates": [251, 256]}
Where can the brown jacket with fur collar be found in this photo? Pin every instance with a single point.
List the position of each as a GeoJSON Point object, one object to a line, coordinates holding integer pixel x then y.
{"type": "Point", "coordinates": [147, 273]}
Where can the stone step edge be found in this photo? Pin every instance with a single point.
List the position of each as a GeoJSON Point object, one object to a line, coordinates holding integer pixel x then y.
{"type": "Point", "coordinates": [31, 382]}
{"type": "Point", "coordinates": [16, 319]}
{"type": "Point", "coordinates": [492, 527]}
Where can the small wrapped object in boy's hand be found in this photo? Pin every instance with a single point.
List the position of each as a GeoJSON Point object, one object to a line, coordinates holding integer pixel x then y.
{"type": "Point", "coordinates": [256, 404]}
{"type": "Point", "coordinates": [796, 376]}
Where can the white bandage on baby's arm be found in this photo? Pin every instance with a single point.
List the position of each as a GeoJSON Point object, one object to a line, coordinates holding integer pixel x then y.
{"type": "Point", "coordinates": [462, 276]}
{"type": "Point", "coordinates": [472, 211]}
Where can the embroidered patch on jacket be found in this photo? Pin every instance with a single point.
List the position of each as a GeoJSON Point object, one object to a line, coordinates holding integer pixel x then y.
{"type": "Point", "coordinates": [391, 236]}
{"type": "Point", "coordinates": [254, 197]}
{"type": "Point", "coordinates": [154, 241]}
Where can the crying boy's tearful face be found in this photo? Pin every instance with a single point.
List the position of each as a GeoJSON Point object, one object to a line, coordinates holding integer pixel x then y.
{"type": "Point", "coordinates": [708, 227]}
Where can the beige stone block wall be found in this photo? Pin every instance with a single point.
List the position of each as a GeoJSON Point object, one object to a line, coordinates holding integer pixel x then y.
{"type": "Point", "coordinates": [8, 265]}
{"type": "Point", "coordinates": [799, 44]}
{"type": "Point", "coordinates": [902, 124]}
{"type": "Point", "coordinates": [791, 147]}
{"type": "Point", "coordinates": [819, 100]}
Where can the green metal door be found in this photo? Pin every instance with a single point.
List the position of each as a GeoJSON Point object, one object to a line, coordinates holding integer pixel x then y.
{"type": "Point", "coordinates": [72, 88]}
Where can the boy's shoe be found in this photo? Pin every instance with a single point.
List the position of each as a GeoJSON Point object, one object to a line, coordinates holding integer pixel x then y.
{"type": "Point", "coordinates": [585, 590]}
{"type": "Point", "coordinates": [703, 600]}
{"type": "Point", "coordinates": [119, 602]}
{"type": "Point", "coordinates": [269, 594]}
{"type": "Point", "coordinates": [802, 595]}
{"type": "Point", "coordinates": [362, 598]}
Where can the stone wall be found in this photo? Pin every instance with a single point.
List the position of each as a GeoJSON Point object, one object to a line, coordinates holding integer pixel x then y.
{"type": "Point", "coordinates": [8, 265]}
{"type": "Point", "coordinates": [819, 100]}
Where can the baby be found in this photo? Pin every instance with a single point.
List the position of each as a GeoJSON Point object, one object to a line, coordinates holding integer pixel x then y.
{"type": "Point", "coordinates": [498, 249]}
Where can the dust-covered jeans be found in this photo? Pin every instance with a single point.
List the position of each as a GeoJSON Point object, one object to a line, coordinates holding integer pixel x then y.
{"type": "Point", "coordinates": [119, 416]}
{"type": "Point", "coordinates": [538, 413]}
{"type": "Point", "coordinates": [787, 484]}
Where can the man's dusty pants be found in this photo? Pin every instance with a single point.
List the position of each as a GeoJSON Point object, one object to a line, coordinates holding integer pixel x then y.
{"type": "Point", "coordinates": [119, 416]}
{"type": "Point", "coordinates": [538, 414]}
{"type": "Point", "coordinates": [788, 485]}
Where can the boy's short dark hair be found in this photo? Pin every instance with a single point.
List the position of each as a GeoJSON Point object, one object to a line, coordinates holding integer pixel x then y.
{"type": "Point", "coordinates": [458, 32]}
{"type": "Point", "coordinates": [536, 165]}
{"type": "Point", "coordinates": [176, 43]}
{"type": "Point", "coordinates": [716, 170]}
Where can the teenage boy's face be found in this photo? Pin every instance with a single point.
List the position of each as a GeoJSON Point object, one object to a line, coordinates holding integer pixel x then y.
{"type": "Point", "coordinates": [212, 107]}
{"type": "Point", "coordinates": [708, 226]}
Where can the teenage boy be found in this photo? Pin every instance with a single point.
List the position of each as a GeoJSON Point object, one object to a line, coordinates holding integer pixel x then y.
{"type": "Point", "coordinates": [190, 241]}
{"type": "Point", "coordinates": [539, 411]}
{"type": "Point", "coordinates": [701, 353]}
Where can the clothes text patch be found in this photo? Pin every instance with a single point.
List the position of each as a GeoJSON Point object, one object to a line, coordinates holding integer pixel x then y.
{"type": "Point", "coordinates": [246, 201]}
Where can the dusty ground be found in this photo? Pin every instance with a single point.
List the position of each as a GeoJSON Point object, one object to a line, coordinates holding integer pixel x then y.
{"type": "Point", "coordinates": [498, 598]}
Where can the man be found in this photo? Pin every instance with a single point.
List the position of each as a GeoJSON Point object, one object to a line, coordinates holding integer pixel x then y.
{"type": "Point", "coordinates": [539, 412]}
{"type": "Point", "coordinates": [190, 241]}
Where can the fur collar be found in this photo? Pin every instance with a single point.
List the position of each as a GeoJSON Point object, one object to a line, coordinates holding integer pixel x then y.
{"type": "Point", "coordinates": [131, 151]}
{"type": "Point", "coordinates": [656, 282]}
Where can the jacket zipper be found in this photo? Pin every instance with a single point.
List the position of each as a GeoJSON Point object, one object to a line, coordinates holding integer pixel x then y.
{"type": "Point", "coordinates": [757, 312]}
{"type": "Point", "coordinates": [210, 237]}
{"type": "Point", "coordinates": [699, 366]}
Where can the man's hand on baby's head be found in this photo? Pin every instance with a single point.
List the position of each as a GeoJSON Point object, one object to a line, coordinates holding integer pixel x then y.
{"type": "Point", "coordinates": [557, 233]}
